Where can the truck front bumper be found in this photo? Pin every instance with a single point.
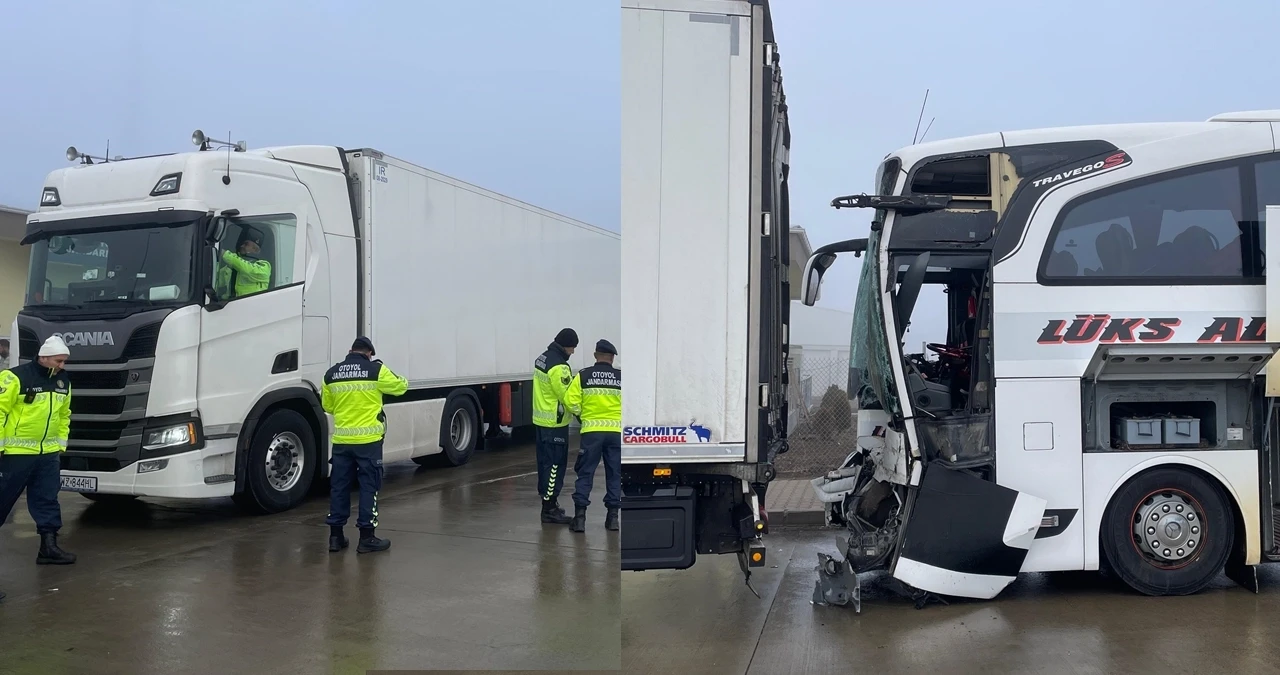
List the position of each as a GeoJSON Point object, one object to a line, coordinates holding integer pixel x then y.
{"type": "Point", "coordinates": [196, 474]}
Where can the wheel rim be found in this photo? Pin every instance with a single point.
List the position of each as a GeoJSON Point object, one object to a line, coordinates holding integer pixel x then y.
{"type": "Point", "coordinates": [460, 429]}
{"type": "Point", "coordinates": [284, 461]}
{"type": "Point", "coordinates": [1169, 529]}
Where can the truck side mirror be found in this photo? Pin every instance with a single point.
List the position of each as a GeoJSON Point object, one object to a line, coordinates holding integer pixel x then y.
{"type": "Point", "coordinates": [213, 303]}
{"type": "Point", "coordinates": [214, 231]}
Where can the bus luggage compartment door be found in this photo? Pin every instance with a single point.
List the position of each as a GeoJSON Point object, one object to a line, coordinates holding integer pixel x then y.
{"type": "Point", "coordinates": [657, 528]}
{"type": "Point", "coordinates": [965, 536]}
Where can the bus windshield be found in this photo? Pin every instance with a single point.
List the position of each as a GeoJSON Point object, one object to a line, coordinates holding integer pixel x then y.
{"type": "Point", "coordinates": [868, 349]}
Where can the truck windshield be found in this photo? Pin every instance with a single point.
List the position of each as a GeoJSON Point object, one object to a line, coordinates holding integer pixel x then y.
{"type": "Point", "coordinates": [148, 264]}
{"type": "Point", "coordinates": [868, 350]}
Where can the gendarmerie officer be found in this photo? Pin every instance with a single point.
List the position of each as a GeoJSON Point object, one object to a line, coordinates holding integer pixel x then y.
{"type": "Point", "coordinates": [595, 396]}
{"type": "Point", "coordinates": [352, 393]}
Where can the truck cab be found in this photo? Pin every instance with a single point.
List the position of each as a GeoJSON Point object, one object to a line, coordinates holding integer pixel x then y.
{"type": "Point", "coordinates": [187, 382]}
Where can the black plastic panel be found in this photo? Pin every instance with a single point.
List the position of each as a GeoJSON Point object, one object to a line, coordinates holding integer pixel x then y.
{"type": "Point", "coordinates": [657, 529]}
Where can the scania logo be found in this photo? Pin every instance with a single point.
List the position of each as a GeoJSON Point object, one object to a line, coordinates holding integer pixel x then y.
{"type": "Point", "coordinates": [89, 338]}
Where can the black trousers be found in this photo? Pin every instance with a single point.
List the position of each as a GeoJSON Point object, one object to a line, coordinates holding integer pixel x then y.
{"type": "Point", "coordinates": [596, 446]}
{"type": "Point", "coordinates": [361, 462]}
{"type": "Point", "coordinates": [40, 476]}
{"type": "Point", "coordinates": [553, 460]}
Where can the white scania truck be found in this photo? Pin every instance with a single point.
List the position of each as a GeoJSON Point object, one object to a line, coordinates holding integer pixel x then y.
{"type": "Point", "coordinates": [1098, 398]}
{"type": "Point", "coordinates": [704, 278]}
{"type": "Point", "coordinates": [184, 387]}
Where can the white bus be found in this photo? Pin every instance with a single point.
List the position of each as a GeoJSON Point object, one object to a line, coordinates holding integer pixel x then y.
{"type": "Point", "coordinates": [1098, 398]}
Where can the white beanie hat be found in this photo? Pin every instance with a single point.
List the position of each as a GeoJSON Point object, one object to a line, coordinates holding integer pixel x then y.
{"type": "Point", "coordinates": [54, 346]}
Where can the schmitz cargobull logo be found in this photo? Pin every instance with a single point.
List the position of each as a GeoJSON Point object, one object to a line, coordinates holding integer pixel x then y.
{"type": "Point", "coordinates": [689, 433]}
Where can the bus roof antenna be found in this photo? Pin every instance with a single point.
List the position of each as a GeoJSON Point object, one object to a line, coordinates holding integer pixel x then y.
{"type": "Point", "coordinates": [921, 118]}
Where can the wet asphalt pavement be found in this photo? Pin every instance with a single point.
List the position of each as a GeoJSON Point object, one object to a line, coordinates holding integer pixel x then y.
{"type": "Point", "coordinates": [472, 581]}
{"type": "Point", "coordinates": [704, 620]}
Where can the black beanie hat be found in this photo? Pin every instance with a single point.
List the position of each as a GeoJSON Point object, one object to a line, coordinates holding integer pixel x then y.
{"type": "Point", "coordinates": [567, 338]}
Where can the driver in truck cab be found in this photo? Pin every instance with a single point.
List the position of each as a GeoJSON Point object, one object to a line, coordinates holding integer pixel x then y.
{"type": "Point", "coordinates": [35, 414]}
{"type": "Point", "coordinates": [242, 272]}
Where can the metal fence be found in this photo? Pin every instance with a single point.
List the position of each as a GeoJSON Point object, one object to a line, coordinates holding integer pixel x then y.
{"type": "Point", "coordinates": [823, 427]}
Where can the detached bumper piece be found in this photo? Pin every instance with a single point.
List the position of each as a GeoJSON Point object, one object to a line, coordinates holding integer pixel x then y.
{"type": "Point", "coordinates": [837, 584]}
{"type": "Point", "coordinates": [658, 529]}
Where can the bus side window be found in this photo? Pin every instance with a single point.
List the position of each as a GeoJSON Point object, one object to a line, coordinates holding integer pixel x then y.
{"type": "Point", "coordinates": [1163, 227]}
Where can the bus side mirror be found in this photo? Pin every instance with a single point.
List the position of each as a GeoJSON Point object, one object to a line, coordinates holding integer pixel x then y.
{"type": "Point", "coordinates": [817, 266]}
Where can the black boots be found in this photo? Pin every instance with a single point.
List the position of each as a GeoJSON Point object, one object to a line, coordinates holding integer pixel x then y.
{"type": "Point", "coordinates": [611, 520]}
{"type": "Point", "coordinates": [553, 514]}
{"type": "Point", "coordinates": [579, 522]}
{"type": "Point", "coordinates": [337, 541]}
{"type": "Point", "coordinates": [50, 554]}
{"type": "Point", "coordinates": [370, 543]}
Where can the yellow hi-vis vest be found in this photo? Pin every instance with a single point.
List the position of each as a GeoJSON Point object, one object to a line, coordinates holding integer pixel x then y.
{"type": "Point", "coordinates": [352, 393]}
{"type": "Point", "coordinates": [35, 410]}
{"type": "Point", "coordinates": [595, 396]}
{"type": "Point", "coordinates": [551, 378]}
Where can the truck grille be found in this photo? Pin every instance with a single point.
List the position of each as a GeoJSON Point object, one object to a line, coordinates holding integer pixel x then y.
{"type": "Point", "coordinates": [96, 405]}
{"type": "Point", "coordinates": [141, 345]}
{"type": "Point", "coordinates": [98, 379]}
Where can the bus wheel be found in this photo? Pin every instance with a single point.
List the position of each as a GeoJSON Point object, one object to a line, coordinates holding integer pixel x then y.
{"type": "Point", "coordinates": [460, 432]}
{"type": "Point", "coordinates": [1168, 531]}
{"type": "Point", "coordinates": [281, 464]}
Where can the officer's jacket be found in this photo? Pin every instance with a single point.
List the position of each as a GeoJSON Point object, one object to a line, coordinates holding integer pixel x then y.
{"type": "Point", "coordinates": [551, 378]}
{"type": "Point", "coordinates": [35, 410]}
{"type": "Point", "coordinates": [595, 396]}
{"type": "Point", "coordinates": [242, 275]}
{"type": "Point", "coordinates": [352, 393]}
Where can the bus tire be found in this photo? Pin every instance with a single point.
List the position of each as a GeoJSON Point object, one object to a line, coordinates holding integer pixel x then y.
{"type": "Point", "coordinates": [281, 464]}
{"type": "Point", "coordinates": [1168, 531]}
{"type": "Point", "coordinates": [459, 434]}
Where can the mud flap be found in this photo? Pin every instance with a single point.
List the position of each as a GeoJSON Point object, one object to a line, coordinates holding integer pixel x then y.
{"type": "Point", "coordinates": [966, 537]}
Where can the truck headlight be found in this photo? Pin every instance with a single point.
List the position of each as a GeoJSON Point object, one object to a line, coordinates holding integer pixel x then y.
{"type": "Point", "coordinates": [172, 436]}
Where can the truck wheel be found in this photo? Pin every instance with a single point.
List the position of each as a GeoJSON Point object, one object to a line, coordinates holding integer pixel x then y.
{"type": "Point", "coordinates": [281, 464]}
{"type": "Point", "coordinates": [459, 431]}
{"type": "Point", "coordinates": [1168, 531]}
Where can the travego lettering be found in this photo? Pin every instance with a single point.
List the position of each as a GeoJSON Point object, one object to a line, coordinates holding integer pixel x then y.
{"type": "Point", "coordinates": [1111, 162]}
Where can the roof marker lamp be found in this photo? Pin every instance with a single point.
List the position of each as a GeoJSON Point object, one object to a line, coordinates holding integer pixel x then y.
{"type": "Point", "coordinates": [50, 197]}
{"type": "Point", "coordinates": [167, 185]}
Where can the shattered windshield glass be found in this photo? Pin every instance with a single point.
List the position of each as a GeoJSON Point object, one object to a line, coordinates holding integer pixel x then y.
{"type": "Point", "coordinates": [868, 350]}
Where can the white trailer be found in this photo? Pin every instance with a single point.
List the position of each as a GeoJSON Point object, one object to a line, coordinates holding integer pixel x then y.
{"type": "Point", "coordinates": [184, 389]}
{"type": "Point", "coordinates": [704, 277]}
{"type": "Point", "coordinates": [1098, 398]}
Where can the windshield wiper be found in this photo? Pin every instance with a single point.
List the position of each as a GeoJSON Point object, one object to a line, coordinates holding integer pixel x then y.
{"type": "Point", "coordinates": [146, 301]}
{"type": "Point", "coordinates": [53, 305]}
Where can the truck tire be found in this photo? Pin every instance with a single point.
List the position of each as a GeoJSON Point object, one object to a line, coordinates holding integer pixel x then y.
{"type": "Point", "coordinates": [1168, 531]}
{"type": "Point", "coordinates": [281, 464]}
{"type": "Point", "coordinates": [459, 434]}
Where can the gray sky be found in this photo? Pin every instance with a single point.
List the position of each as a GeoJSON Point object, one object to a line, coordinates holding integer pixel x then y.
{"type": "Point", "coordinates": [855, 74]}
{"type": "Point", "coordinates": [514, 95]}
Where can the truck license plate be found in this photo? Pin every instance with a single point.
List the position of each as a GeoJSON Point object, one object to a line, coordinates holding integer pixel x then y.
{"type": "Point", "coordinates": [80, 483]}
